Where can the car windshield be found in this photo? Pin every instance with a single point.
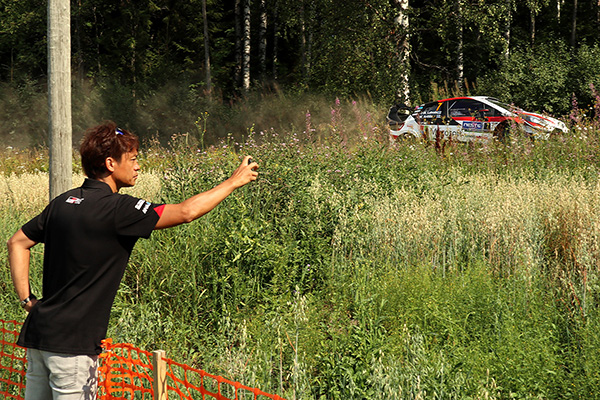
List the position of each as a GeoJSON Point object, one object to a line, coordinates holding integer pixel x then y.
{"type": "Point", "coordinates": [508, 107]}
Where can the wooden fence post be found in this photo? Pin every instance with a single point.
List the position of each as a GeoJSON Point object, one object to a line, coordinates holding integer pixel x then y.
{"type": "Point", "coordinates": [159, 375]}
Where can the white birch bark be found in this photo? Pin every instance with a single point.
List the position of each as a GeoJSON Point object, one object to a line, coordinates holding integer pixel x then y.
{"type": "Point", "coordinates": [508, 29]}
{"type": "Point", "coordinates": [238, 44]}
{"type": "Point", "coordinates": [402, 21]}
{"type": "Point", "coordinates": [246, 47]}
{"type": "Point", "coordinates": [460, 64]}
{"type": "Point", "coordinates": [262, 41]}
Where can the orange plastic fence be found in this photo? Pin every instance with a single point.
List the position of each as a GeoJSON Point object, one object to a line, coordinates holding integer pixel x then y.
{"type": "Point", "coordinates": [12, 362]}
{"type": "Point", "coordinates": [126, 372]}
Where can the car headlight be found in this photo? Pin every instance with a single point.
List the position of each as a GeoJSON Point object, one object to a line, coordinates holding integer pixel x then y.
{"type": "Point", "coordinates": [540, 123]}
{"type": "Point", "coordinates": [535, 120]}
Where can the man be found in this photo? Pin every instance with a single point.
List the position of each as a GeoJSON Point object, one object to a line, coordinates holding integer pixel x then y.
{"type": "Point", "coordinates": [89, 233]}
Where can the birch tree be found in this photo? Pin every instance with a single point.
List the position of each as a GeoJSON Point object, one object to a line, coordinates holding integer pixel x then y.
{"type": "Point", "coordinates": [402, 23]}
{"type": "Point", "coordinates": [535, 7]}
{"type": "Point", "coordinates": [533, 14]}
{"type": "Point", "coordinates": [574, 25]}
{"type": "Point", "coordinates": [206, 49]}
{"type": "Point", "coordinates": [507, 29]}
{"type": "Point", "coordinates": [303, 41]}
{"type": "Point", "coordinates": [262, 40]}
{"type": "Point", "coordinates": [246, 47]}
{"type": "Point", "coordinates": [275, 25]}
{"type": "Point", "coordinates": [559, 5]}
{"type": "Point", "coordinates": [460, 65]}
{"type": "Point", "coordinates": [238, 44]}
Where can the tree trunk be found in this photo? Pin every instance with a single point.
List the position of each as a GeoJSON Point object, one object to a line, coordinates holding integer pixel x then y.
{"type": "Point", "coordinates": [402, 22]}
{"type": "Point", "coordinates": [262, 41]}
{"type": "Point", "coordinates": [79, 53]}
{"type": "Point", "coordinates": [460, 64]}
{"type": "Point", "coordinates": [532, 37]}
{"type": "Point", "coordinates": [96, 25]}
{"type": "Point", "coordinates": [306, 39]}
{"type": "Point", "coordinates": [507, 30]}
{"type": "Point", "coordinates": [132, 63]}
{"type": "Point", "coordinates": [309, 43]}
{"type": "Point", "coordinates": [59, 96]}
{"type": "Point", "coordinates": [238, 44]}
{"type": "Point", "coordinates": [246, 49]}
{"type": "Point", "coordinates": [275, 38]}
{"type": "Point", "coordinates": [12, 63]}
{"type": "Point", "coordinates": [206, 50]}
{"type": "Point", "coordinates": [303, 41]}
{"type": "Point", "coordinates": [574, 25]}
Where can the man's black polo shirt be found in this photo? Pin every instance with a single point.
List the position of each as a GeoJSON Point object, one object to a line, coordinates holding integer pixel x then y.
{"type": "Point", "coordinates": [88, 233]}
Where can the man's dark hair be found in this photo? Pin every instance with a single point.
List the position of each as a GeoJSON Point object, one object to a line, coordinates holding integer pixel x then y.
{"type": "Point", "coordinates": [101, 142]}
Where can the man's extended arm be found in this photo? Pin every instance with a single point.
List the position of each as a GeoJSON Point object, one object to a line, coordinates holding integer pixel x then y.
{"type": "Point", "coordinates": [198, 205]}
{"type": "Point", "coordinates": [18, 258]}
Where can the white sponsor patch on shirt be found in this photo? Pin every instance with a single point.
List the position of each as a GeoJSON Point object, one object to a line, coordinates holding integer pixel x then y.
{"type": "Point", "coordinates": [143, 203]}
{"type": "Point", "coordinates": [139, 204]}
{"type": "Point", "coordinates": [74, 200]}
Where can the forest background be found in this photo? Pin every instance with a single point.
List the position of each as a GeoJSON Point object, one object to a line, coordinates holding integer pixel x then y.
{"type": "Point", "coordinates": [353, 268]}
{"type": "Point", "coordinates": [151, 64]}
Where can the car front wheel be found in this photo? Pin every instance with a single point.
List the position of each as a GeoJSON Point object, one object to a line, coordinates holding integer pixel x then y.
{"type": "Point", "coordinates": [501, 132]}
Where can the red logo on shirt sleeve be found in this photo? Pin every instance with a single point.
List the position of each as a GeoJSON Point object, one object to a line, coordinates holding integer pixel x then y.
{"type": "Point", "coordinates": [159, 210]}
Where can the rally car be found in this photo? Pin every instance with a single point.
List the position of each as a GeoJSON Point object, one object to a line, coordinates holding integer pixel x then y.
{"type": "Point", "coordinates": [469, 119]}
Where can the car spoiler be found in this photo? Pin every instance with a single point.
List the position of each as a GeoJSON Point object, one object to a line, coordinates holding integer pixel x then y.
{"type": "Point", "coordinates": [398, 114]}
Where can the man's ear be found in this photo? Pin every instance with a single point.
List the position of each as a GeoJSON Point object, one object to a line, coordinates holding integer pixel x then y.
{"type": "Point", "coordinates": [110, 162]}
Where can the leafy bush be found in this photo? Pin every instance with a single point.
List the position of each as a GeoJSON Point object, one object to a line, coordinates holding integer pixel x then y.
{"type": "Point", "coordinates": [356, 268]}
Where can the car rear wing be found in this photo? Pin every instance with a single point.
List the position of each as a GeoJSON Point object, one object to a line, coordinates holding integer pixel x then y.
{"type": "Point", "coordinates": [398, 114]}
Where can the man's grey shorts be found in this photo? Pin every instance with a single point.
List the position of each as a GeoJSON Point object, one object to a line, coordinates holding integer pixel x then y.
{"type": "Point", "coordinates": [54, 376]}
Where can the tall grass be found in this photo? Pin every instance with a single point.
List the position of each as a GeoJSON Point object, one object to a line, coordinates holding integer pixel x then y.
{"type": "Point", "coordinates": [176, 108]}
{"type": "Point", "coordinates": [355, 268]}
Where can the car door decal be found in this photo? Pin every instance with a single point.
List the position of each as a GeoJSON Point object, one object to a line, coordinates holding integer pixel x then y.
{"type": "Point", "coordinates": [472, 125]}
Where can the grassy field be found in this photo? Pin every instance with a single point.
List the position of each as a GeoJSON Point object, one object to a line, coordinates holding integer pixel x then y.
{"type": "Point", "coordinates": [355, 268]}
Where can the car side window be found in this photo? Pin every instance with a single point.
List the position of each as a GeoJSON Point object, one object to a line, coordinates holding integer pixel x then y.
{"type": "Point", "coordinates": [469, 108]}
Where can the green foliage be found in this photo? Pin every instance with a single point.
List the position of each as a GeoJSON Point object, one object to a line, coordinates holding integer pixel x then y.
{"type": "Point", "coordinates": [585, 73]}
{"type": "Point", "coordinates": [355, 59]}
{"type": "Point", "coordinates": [142, 63]}
{"type": "Point", "coordinates": [355, 268]}
{"type": "Point", "coordinates": [536, 81]}
{"type": "Point", "coordinates": [23, 40]}
{"type": "Point", "coordinates": [309, 290]}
